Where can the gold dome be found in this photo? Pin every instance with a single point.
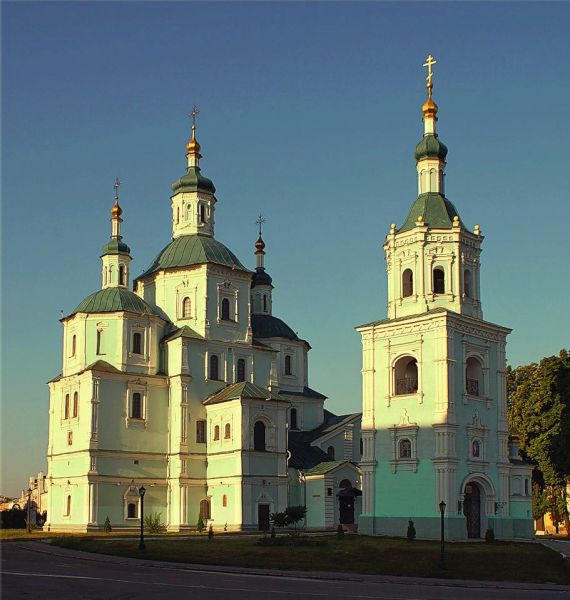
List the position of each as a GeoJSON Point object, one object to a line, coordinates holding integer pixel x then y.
{"type": "Point", "coordinates": [193, 147]}
{"type": "Point", "coordinates": [116, 211]}
{"type": "Point", "coordinates": [260, 245]}
{"type": "Point", "coordinates": [429, 108]}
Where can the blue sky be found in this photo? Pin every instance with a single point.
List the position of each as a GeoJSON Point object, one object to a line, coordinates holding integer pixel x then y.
{"type": "Point", "coordinates": [309, 114]}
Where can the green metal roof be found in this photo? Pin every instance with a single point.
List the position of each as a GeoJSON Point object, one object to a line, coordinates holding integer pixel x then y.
{"type": "Point", "coordinates": [188, 250]}
{"type": "Point", "coordinates": [430, 147]}
{"type": "Point", "coordinates": [268, 326]}
{"type": "Point", "coordinates": [116, 246]}
{"type": "Point", "coordinates": [193, 181]}
{"type": "Point", "coordinates": [325, 467]}
{"type": "Point", "coordinates": [114, 299]}
{"type": "Point", "coordinates": [183, 331]}
{"type": "Point", "coordinates": [435, 209]}
{"type": "Point", "coordinates": [244, 389]}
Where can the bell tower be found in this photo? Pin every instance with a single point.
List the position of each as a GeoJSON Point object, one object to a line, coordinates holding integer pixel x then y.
{"type": "Point", "coordinates": [432, 259]}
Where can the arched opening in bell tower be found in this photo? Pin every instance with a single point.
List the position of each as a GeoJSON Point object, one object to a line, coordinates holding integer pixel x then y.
{"type": "Point", "coordinates": [473, 377]}
{"type": "Point", "coordinates": [406, 376]}
{"type": "Point", "coordinates": [438, 281]}
{"type": "Point", "coordinates": [407, 283]}
{"type": "Point", "coordinates": [467, 283]}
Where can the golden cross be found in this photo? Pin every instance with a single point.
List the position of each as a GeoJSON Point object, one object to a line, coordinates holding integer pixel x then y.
{"type": "Point", "coordinates": [116, 187]}
{"type": "Point", "coordinates": [195, 112]}
{"type": "Point", "coordinates": [260, 221]}
{"type": "Point", "coordinates": [430, 60]}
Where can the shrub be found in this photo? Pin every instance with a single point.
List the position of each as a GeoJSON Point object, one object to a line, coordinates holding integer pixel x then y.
{"type": "Point", "coordinates": [200, 525]}
{"type": "Point", "coordinates": [291, 516]}
{"type": "Point", "coordinates": [411, 533]}
{"type": "Point", "coordinates": [340, 532]}
{"type": "Point", "coordinates": [210, 532]}
{"type": "Point", "coordinates": [107, 525]}
{"type": "Point", "coordinates": [490, 535]}
{"type": "Point", "coordinates": [153, 523]}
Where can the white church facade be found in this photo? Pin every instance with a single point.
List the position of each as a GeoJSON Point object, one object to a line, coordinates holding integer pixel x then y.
{"type": "Point", "coordinates": [434, 420]}
{"type": "Point", "coordinates": [190, 387]}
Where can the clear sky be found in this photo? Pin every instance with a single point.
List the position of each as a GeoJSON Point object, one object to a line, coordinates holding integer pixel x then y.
{"type": "Point", "coordinates": [309, 114]}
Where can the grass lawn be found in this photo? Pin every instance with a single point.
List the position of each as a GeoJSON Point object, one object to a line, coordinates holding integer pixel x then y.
{"type": "Point", "coordinates": [504, 561]}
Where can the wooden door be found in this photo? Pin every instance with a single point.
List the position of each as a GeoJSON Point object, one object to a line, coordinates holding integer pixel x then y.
{"type": "Point", "coordinates": [263, 517]}
{"type": "Point", "coordinates": [472, 510]}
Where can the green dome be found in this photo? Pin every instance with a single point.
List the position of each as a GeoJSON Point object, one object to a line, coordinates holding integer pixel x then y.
{"type": "Point", "coordinates": [430, 147]}
{"type": "Point", "coordinates": [114, 299]}
{"type": "Point", "coordinates": [116, 246]}
{"type": "Point", "coordinates": [195, 249]}
{"type": "Point", "coordinates": [435, 209]}
{"type": "Point", "coordinates": [193, 181]}
{"type": "Point", "coordinates": [268, 326]}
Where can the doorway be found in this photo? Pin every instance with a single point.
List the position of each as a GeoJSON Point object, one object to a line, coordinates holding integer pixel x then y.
{"type": "Point", "coordinates": [346, 508]}
{"type": "Point", "coordinates": [472, 509]}
{"type": "Point", "coordinates": [263, 517]}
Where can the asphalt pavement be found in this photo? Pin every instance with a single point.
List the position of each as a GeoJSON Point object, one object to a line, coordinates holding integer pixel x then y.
{"type": "Point", "coordinates": [36, 569]}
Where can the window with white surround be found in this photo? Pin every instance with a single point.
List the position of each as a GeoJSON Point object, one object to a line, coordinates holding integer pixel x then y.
{"type": "Point", "coordinates": [75, 404]}
{"type": "Point", "coordinates": [136, 399]}
{"type": "Point", "coordinates": [137, 345]}
{"type": "Point", "coordinates": [474, 377]}
{"type": "Point", "coordinates": [405, 376]}
{"type": "Point", "coordinates": [201, 432]}
{"type": "Point", "coordinates": [216, 436]}
{"type": "Point", "coordinates": [214, 368]}
{"type": "Point", "coordinates": [288, 365]}
{"type": "Point", "coordinates": [66, 406]}
{"type": "Point", "coordinates": [407, 283]}
{"type": "Point", "coordinates": [99, 341]}
{"type": "Point", "coordinates": [131, 501]}
{"type": "Point", "coordinates": [73, 345]}
{"type": "Point", "coordinates": [186, 308]}
{"type": "Point", "coordinates": [240, 370]}
{"type": "Point", "coordinates": [404, 444]}
{"type": "Point", "coordinates": [227, 431]}
{"type": "Point", "coordinates": [438, 281]}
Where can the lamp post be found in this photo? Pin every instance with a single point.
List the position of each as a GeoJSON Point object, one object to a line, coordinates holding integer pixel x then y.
{"type": "Point", "coordinates": [28, 524]}
{"type": "Point", "coordinates": [442, 552]}
{"type": "Point", "coordinates": [141, 494]}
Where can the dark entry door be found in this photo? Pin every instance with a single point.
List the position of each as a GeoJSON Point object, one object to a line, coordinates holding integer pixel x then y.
{"type": "Point", "coordinates": [346, 506]}
{"type": "Point", "coordinates": [263, 517]}
{"type": "Point", "coordinates": [472, 510]}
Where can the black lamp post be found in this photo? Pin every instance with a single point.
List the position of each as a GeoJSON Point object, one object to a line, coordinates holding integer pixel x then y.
{"type": "Point", "coordinates": [141, 494]}
{"type": "Point", "coordinates": [442, 553]}
{"type": "Point", "coordinates": [28, 524]}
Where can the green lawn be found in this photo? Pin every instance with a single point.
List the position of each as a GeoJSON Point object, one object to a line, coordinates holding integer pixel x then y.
{"type": "Point", "coordinates": [372, 555]}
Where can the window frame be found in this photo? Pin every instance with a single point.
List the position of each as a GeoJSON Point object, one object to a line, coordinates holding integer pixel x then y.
{"type": "Point", "coordinates": [257, 436]}
{"type": "Point", "coordinates": [434, 281]}
{"type": "Point", "coordinates": [214, 358]}
{"type": "Point", "coordinates": [227, 431]}
{"type": "Point", "coordinates": [201, 431]}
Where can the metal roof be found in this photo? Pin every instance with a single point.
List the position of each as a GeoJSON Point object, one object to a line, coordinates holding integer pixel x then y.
{"type": "Point", "coordinates": [114, 299]}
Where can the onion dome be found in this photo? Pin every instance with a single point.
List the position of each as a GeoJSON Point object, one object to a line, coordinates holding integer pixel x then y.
{"type": "Point", "coordinates": [115, 246]}
{"type": "Point", "coordinates": [268, 326]}
{"type": "Point", "coordinates": [261, 277]}
{"type": "Point", "coordinates": [430, 108]}
{"type": "Point", "coordinates": [430, 147]}
{"type": "Point", "coordinates": [114, 299]}
{"type": "Point", "coordinates": [193, 181]}
{"type": "Point", "coordinates": [193, 147]}
{"type": "Point", "coordinates": [260, 245]}
{"type": "Point", "coordinates": [188, 250]}
{"type": "Point", "coordinates": [116, 211]}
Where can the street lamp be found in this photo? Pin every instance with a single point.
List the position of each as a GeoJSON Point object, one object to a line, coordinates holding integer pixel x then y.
{"type": "Point", "coordinates": [141, 494]}
{"type": "Point", "coordinates": [442, 553]}
{"type": "Point", "coordinates": [29, 525]}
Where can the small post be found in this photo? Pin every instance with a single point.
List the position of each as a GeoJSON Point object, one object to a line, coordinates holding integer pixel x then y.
{"type": "Point", "coordinates": [141, 494]}
{"type": "Point", "coordinates": [442, 552]}
{"type": "Point", "coordinates": [28, 524]}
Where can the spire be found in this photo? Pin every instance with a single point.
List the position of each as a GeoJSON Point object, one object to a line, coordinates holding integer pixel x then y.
{"type": "Point", "coordinates": [429, 108]}
{"type": "Point", "coordinates": [193, 147]}
{"type": "Point", "coordinates": [261, 282]}
{"type": "Point", "coordinates": [116, 254]}
{"type": "Point", "coordinates": [260, 246]}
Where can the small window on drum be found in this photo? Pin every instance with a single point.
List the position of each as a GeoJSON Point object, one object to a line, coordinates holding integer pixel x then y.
{"type": "Point", "coordinates": [225, 310]}
{"type": "Point", "coordinates": [407, 283]}
{"type": "Point", "coordinates": [438, 281]}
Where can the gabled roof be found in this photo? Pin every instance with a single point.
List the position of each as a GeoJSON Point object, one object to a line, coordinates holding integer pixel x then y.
{"type": "Point", "coordinates": [243, 389]}
{"type": "Point", "coordinates": [330, 423]}
{"type": "Point", "coordinates": [183, 331]}
{"type": "Point", "coordinates": [100, 365]}
{"type": "Point", "coordinates": [306, 393]}
{"type": "Point", "coordinates": [303, 455]}
{"type": "Point", "coordinates": [327, 467]}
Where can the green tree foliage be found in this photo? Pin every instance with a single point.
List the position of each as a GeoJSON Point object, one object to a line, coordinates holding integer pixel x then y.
{"type": "Point", "coordinates": [211, 532]}
{"type": "Point", "coordinates": [107, 525]}
{"type": "Point", "coordinates": [539, 412]}
{"type": "Point", "coordinates": [200, 525]}
{"type": "Point", "coordinates": [292, 516]}
{"type": "Point", "coordinates": [153, 523]}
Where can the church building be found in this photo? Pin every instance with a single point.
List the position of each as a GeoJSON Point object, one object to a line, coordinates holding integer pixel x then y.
{"type": "Point", "coordinates": [187, 386]}
{"type": "Point", "coordinates": [434, 421]}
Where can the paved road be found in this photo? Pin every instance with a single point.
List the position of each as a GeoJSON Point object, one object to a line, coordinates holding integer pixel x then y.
{"type": "Point", "coordinates": [562, 546]}
{"type": "Point", "coordinates": [36, 570]}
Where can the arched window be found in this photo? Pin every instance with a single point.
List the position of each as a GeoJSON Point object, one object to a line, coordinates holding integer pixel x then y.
{"type": "Point", "coordinates": [432, 180]}
{"type": "Point", "coordinates": [66, 407]}
{"type": "Point", "coordinates": [121, 275]}
{"type": "Point", "coordinates": [240, 375]}
{"type": "Point", "coordinates": [406, 375]}
{"type": "Point", "coordinates": [68, 506]}
{"type": "Point", "coordinates": [293, 418]}
{"type": "Point", "coordinates": [467, 283]}
{"type": "Point", "coordinates": [405, 449]}
{"type": "Point", "coordinates": [214, 368]}
{"type": "Point", "coordinates": [105, 276]}
{"type": "Point", "coordinates": [201, 432]}
{"type": "Point", "coordinates": [202, 213]}
{"type": "Point", "coordinates": [216, 433]}
{"type": "Point", "coordinates": [225, 310]}
{"type": "Point", "coordinates": [259, 436]}
{"type": "Point", "coordinates": [330, 452]}
{"type": "Point", "coordinates": [186, 308]}
{"type": "Point", "coordinates": [73, 345]}
{"type": "Point", "coordinates": [264, 303]}
{"type": "Point", "coordinates": [227, 431]}
{"type": "Point", "coordinates": [476, 449]}
{"type": "Point", "coordinates": [407, 283]}
{"type": "Point", "coordinates": [288, 365]}
{"type": "Point", "coordinates": [99, 341]}
{"type": "Point", "coordinates": [75, 403]}
{"type": "Point", "coordinates": [137, 343]}
{"type": "Point", "coordinates": [136, 406]}
{"type": "Point", "coordinates": [438, 283]}
{"type": "Point", "coordinates": [205, 509]}
{"type": "Point", "coordinates": [224, 501]}
{"type": "Point", "coordinates": [526, 487]}
{"type": "Point", "coordinates": [177, 214]}
{"type": "Point", "coordinates": [131, 510]}
{"type": "Point", "coordinates": [473, 377]}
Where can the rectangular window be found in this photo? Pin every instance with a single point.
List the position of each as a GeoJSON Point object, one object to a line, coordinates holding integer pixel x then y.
{"type": "Point", "coordinates": [136, 406]}
{"type": "Point", "coordinates": [201, 432]}
{"type": "Point", "coordinates": [137, 343]}
{"type": "Point", "coordinates": [67, 506]}
{"type": "Point", "coordinates": [70, 438]}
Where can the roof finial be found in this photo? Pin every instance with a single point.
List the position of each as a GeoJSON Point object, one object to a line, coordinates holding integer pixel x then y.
{"type": "Point", "coordinates": [195, 112]}
{"type": "Point", "coordinates": [430, 60]}
{"type": "Point", "coordinates": [260, 221]}
{"type": "Point", "coordinates": [193, 147]}
{"type": "Point", "coordinates": [116, 211]}
{"type": "Point", "coordinates": [260, 244]}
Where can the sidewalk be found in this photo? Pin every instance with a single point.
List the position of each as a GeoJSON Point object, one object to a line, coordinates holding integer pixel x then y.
{"type": "Point", "coordinates": [46, 548]}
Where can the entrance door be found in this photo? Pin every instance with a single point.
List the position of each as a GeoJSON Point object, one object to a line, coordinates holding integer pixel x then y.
{"type": "Point", "coordinates": [346, 507]}
{"type": "Point", "coordinates": [472, 510]}
{"type": "Point", "coordinates": [263, 517]}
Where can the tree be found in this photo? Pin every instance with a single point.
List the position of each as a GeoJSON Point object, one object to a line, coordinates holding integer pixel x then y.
{"type": "Point", "coordinates": [539, 412]}
{"type": "Point", "coordinates": [291, 516]}
{"type": "Point", "coordinates": [107, 525]}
